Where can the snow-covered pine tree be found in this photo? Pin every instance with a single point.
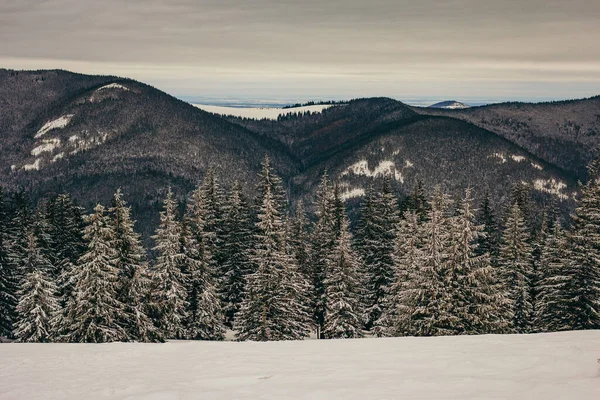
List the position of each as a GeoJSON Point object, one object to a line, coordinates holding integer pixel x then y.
{"type": "Point", "coordinates": [433, 314]}
{"type": "Point", "coordinates": [237, 244]}
{"type": "Point", "coordinates": [516, 269]}
{"type": "Point", "coordinates": [582, 292]}
{"type": "Point", "coordinates": [8, 275]}
{"type": "Point", "coordinates": [211, 201]}
{"type": "Point", "coordinates": [133, 282]}
{"type": "Point", "coordinates": [552, 313]}
{"type": "Point", "coordinates": [299, 240]}
{"type": "Point", "coordinates": [343, 313]}
{"type": "Point", "coordinates": [169, 293]}
{"type": "Point", "coordinates": [94, 314]}
{"type": "Point", "coordinates": [38, 303]}
{"type": "Point", "coordinates": [377, 239]}
{"type": "Point", "coordinates": [20, 225]}
{"type": "Point", "coordinates": [537, 243]}
{"type": "Point", "coordinates": [489, 239]}
{"type": "Point", "coordinates": [272, 308]}
{"type": "Point", "coordinates": [473, 289]}
{"type": "Point", "coordinates": [205, 320]}
{"type": "Point", "coordinates": [403, 295]}
{"type": "Point", "coordinates": [323, 237]}
{"type": "Point", "coordinates": [66, 232]}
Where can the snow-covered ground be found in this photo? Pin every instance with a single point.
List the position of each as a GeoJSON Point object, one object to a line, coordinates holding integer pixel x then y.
{"type": "Point", "coordinates": [542, 366]}
{"type": "Point", "coordinates": [260, 112]}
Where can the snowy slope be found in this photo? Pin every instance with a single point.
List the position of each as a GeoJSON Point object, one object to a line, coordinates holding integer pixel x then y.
{"type": "Point", "coordinates": [259, 112]}
{"type": "Point", "coordinates": [543, 366]}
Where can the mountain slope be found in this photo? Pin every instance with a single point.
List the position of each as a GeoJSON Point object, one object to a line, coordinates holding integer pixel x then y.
{"type": "Point", "coordinates": [89, 135]}
{"type": "Point", "coordinates": [565, 133]}
{"type": "Point", "coordinates": [109, 132]}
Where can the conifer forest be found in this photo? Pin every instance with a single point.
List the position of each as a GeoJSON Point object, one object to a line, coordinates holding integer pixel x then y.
{"type": "Point", "coordinates": [424, 265]}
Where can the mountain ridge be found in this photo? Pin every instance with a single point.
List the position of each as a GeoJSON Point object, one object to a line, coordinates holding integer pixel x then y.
{"type": "Point", "coordinates": [134, 136]}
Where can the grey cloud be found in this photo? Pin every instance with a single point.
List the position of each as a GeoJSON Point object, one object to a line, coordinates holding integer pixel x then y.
{"type": "Point", "coordinates": [346, 44]}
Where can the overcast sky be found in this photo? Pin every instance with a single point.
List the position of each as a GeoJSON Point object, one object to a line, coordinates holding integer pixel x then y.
{"type": "Point", "coordinates": [464, 49]}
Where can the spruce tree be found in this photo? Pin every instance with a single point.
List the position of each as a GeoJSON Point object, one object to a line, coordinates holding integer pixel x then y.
{"type": "Point", "coordinates": [169, 294]}
{"type": "Point", "coordinates": [516, 270]}
{"type": "Point", "coordinates": [321, 245]}
{"type": "Point", "coordinates": [38, 303]}
{"type": "Point", "coordinates": [403, 294]}
{"type": "Point", "coordinates": [489, 239]}
{"type": "Point", "coordinates": [553, 313]}
{"type": "Point", "coordinates": [272, 308]}
{"type": "Point", "coordinates": [94, 314]}
{"type": "Point", "coordinates": [8, 275]}
{"type": "Point", "coordinates": [133, 282]}
{"type": "Point", "coordinates": [582, 291]}
{"type": "Point", "coordinates": [378, 229]}
{"type": "Point", "coordinates": [472, 282]}
{"type": "Point", "coordinates": [433, 314]}
{"type": "Point", "coordinates": [236, 248]}
{"type": "Point", "coordinates": [343, 314]}
{"type": "Point", "coordinates": [205, 319]}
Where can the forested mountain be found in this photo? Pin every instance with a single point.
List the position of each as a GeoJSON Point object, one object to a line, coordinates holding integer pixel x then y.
{"type": "Point", "coordinates": [564, 133]}
{"type": "Point", "coordinates": [89, 135]}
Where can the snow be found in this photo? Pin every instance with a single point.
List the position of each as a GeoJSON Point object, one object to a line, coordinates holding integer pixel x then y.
{"type": "Point", "coordinates": [541, 366]}
{"type": "Point", "coordinates": [517, 158]}
{"type": "Point", "coordinates": [34, 166]}
{"type": "Point", "coordinates": [408, 164]}
{"type": "Point", "coordinates": [47, 146]}
{"type": "Point", "coordinates": [537, 166]}
{"type": "Point", "coordinates": [385, 167]}
{"type": "Point", "coordinates": [396, 152]}
{"type": "Point", "coordinates": [551, 186]}
{"type": "Point", "coordinates": [352, 193]}
{"type": "Point", "coordinates": [58, 123]}
{"type": "Point", "coordinates": [500, 156]}
{"type": "Point", "coordinates": [58, 157]}
{"type": "Point", "coordinates": [113, 86]}
{"type": "Point", "coordinates": [260, 112]}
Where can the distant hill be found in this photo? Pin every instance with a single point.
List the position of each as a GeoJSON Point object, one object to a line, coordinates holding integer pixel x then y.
{"type": "Point", "coordinates": [450, 105]}
{"type": "Point", "coordinates": [89, 135]}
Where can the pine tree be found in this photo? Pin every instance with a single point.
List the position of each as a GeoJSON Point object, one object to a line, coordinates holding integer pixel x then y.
{"type": "Point", "coordinates": [553, 313]}
{"type": "Point", "coordinates": [37, 298]}
{"type": "Point", "coordinates": [343, 314]}
{"type": "Point", "coordinates": [205, 319]}
{"type": "Point", "coordinates": [210, 201]}
{"type": "Point", "coordinates": [272, 308]}
{"type": "Point", "coordinates": [169, 294]}
{"type": "Point", "coordinates": [322, 243]}
{"type": "Point", "coordinates": [133, 281]}
{"type": "Point", "coordinates": [378, 229]}
{"type": "Point", "coordinates": [94, 314]}
{"type": "Point", "coordinates": [8, 275]}
{"type": "Point", "coordinates": [299, 240]}
{"type": "Point", "coordinates": [236, 248]}
{"type": "Point", "coordinates": [582, 291]}
{"type": "Point", "coordinates": [516, 265]}
{"type": "Point", "coordinates": [402, 298]}
{"type": "Point", "coordinates": [433, 314]}
{"type": "Point", "coordinates": [472, 286]}
{"type": "Point", "coordinates": [489, 239]}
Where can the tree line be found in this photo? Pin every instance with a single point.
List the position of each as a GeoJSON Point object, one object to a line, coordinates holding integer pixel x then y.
{"type": "Point", "coordinates": [425, 266]}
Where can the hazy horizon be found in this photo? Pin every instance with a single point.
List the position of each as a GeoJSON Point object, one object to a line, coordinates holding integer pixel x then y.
{"type": "Point", "coordinates": [469, 50]}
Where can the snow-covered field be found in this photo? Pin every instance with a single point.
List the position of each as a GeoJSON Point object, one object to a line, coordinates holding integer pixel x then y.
{"type": "Point", "coordinates": [259, 112]}
{"type": "Point", "coordinates": [542, 366]}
